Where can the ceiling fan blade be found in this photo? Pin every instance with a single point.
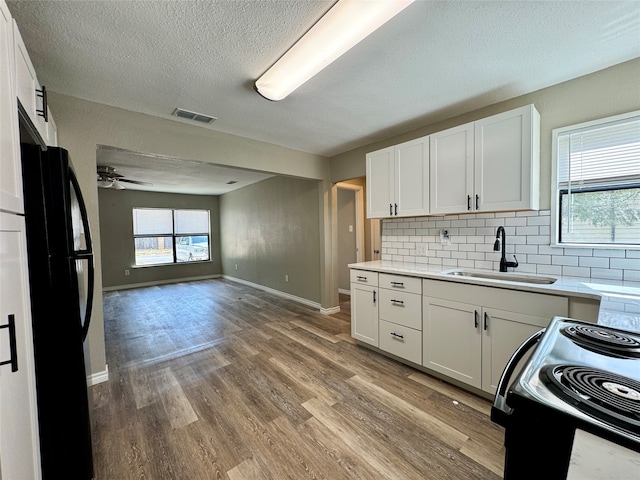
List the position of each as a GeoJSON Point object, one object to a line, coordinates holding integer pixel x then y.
{"type": "Point", "coordinates": [137, 182]}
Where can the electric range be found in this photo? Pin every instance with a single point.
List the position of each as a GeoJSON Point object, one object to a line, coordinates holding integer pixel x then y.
{"type": "Point", "coordinates": [581, 382]}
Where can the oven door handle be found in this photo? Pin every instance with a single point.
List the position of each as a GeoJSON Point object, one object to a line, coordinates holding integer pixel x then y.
{"type": "Point", "coordinates": [500, 411]}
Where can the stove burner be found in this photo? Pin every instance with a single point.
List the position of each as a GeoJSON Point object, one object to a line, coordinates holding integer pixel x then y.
{"type": "Point", "coordinates": [604, 340]}
{"type": "Point", "coordinates": [604, 395]}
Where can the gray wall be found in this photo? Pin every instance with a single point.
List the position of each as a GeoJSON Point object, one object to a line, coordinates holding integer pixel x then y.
{"type": "Point", "coordinates": [83, 125]}
{"type": "Point", "coordinates": [116, 237]}
{"type": "Point", "coordinates": [271, 229]}
{"type": "Point", "coordinates": [612, 91]}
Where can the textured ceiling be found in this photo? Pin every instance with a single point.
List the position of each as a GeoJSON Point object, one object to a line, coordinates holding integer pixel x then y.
{"type": "Point", "coordinates": [434, 60]}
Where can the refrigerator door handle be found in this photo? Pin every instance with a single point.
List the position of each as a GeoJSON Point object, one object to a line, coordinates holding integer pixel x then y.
{"type": "Point", "coordinates": [83, 214]}
{"type": "Point", "coordinates": [90, 288]}
{"type": "Point", "coordinates": [86, 254]}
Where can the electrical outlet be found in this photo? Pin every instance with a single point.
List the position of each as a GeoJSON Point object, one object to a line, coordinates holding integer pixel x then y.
{"type": "Point", "coordinates": [236, 266]}
{"type": "Point", "coordinates": [286, 278]}
{"type": "Point", "coordinates": [445, 238]}
{"type": "Point", "coordinates": [126, 273]}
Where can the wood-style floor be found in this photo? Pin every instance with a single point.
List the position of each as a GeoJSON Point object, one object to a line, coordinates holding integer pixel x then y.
{"type": "Point", "coordinates": [217, 380]}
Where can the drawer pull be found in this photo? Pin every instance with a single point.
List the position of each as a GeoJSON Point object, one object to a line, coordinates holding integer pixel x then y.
{"type": "Point", "coordinates": [486, 320]}
{"type": "Point", "coordinates": [374, 296]}
{"type": "Point", "coordinates": [363, 279]}
{"type": "Point", "coordinates": [397, 284]}
{"type": "Point", "coordinates": [475, 315]}
{"type": "Point", "coordinates": [397, 335]}
{"type": "Point", "coordinates": [397, 302]}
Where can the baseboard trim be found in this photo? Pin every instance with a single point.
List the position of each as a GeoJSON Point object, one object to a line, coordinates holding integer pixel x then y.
{"type": "Point", "coordinates": [159, 282]}
{"type": "Point", "coordinates": [344, 291]}
{"type": "Point", "coordinates": [99, 377]}
{"type": "Point", "coordinates": [330, 311]}
{"type": "Point", "coordinates": [288, 296]}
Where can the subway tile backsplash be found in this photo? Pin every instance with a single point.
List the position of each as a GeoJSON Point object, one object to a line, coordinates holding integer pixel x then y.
{"type": "Point", "coordinates": [471, 239]}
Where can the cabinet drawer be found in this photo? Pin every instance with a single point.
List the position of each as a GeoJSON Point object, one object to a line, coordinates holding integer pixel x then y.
{"type": "Point", "coordinates": [364, 277]}
{"type": "Point", "coordinates": [404, 342]}
{"type": "Point", "coordinates": [400, 282]}
{"type": "Point", "coordinates": [401, 307]}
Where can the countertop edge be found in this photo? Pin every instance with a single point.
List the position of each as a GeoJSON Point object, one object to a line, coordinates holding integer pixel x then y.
{"type": "Point", "coordinates": [565, 286]}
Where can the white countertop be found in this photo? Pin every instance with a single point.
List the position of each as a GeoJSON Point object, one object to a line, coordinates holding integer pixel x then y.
{"type": "Point", "coordinates": [619, 300]}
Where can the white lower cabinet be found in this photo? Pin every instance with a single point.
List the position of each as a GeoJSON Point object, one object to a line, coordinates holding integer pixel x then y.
{"type": "Point", "coordinates": [364, 306]}
{"type": "Point", "coordinates": [401, 341]}
{"type": "Point", "coordinates": [19, 441]}
{"type": "Point", "coordinates": [472, 341]}
{"type": "Point", "coordinates": [465, 332]}
{"type": "Point", "coordinates": [400, 314]}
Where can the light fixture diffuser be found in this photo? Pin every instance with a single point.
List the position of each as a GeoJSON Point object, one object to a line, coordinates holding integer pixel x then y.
{"type": "Point", "coordinates": [346, 24]}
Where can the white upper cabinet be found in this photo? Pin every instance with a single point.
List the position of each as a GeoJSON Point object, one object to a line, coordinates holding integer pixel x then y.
{"type": "Point", "coordinates": [30, 93]}
{"type": "Point", "coordinates": [380, 183]}
{"type": "Point", "coordinates": [398, 180]}
{"type": "Point", "coordinates": [451, 175]}
{"type": "Point", "coordinates": [489, 165]}
{"type": "Point", "coordinates": [10, 170]}
{"type": "Point", "coordinates": [507, 161]}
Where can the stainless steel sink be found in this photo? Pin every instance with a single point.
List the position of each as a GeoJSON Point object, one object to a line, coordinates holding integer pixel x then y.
{"type": "Point", "coordinates": [506, 277]}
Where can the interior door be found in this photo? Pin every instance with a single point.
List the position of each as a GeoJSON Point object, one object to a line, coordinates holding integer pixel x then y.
{"type": "Point", "coordinates": [376, 239]}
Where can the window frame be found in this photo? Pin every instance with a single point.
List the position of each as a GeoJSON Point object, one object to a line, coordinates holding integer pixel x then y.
{"type": "Point", "coordinates": [173, 235]}
{"type": "Point", "coordinates": [557, 191]}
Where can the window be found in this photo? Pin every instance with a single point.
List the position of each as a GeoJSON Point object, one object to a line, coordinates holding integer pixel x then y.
{"type": "Point", "coordinates": [163, 236]}
{"type": "Point", "coordinates": [597, 189]}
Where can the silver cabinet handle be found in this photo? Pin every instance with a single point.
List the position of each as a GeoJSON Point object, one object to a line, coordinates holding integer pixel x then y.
{"type": "Point", "coordinates": [397, 335]}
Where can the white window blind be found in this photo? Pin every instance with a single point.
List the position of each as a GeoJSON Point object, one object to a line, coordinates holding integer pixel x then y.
{"type": "Point", "coordinates": [152, 221]}
{"type": "Point", "coordinates": [191, 221]}
{"type": "Point", "coordinates": [604, 155]}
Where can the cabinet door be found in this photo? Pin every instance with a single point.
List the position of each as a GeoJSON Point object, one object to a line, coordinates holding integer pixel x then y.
{"type": "Point", "coordinates": [502, 334]}
{"type": "Point", "coordinates": [380, 183]}
{"type": "Point", "coordinates": [451, 170]}
{"type": "Point", "coordinates": [26, 84]}
{"type": "Point", "coordinates": [19, 444]}
{"type": "Point", "coordinates": [412, 177]}
{"type": "Point", "coordinates": [507, 160]}
{"type": "Point", "coordinates": [364, 313]}
{"type": "Point", "coordinates": [451, 341]}
{"type": "Point", "coordinates": [10, 171]}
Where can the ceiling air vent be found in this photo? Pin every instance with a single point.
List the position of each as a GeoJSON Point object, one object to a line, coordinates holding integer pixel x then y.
{"type": "Point", "coordinates": [196, 117]}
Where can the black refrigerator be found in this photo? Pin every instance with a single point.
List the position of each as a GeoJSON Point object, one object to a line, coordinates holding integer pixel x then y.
{"type": "Point", "coordinates": [61, 277]}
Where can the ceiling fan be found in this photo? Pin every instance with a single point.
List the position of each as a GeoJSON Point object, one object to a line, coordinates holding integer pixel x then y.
{"type": "Point", "coordinates": [108, 178]}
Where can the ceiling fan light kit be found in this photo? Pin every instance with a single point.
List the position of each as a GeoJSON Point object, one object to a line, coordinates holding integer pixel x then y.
{"type": "Point", "coordinates": [346, 24]}
{"type": "Point", "coordinates": [108, 178]}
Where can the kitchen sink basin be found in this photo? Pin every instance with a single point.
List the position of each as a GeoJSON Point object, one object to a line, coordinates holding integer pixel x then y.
{"type": "Point", "coordinates": [504, 276]}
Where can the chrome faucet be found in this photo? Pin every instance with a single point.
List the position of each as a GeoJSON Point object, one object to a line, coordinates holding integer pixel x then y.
{"type": "Point", "coordinates": [496, 246]}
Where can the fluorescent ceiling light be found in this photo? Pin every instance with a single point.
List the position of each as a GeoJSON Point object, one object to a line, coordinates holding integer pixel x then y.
{"type": "Point", "coordinates": [342, 27]}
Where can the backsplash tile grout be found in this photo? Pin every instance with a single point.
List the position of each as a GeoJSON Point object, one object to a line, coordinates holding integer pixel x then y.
{"type": "Point", "coordinates": [528, 236]}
